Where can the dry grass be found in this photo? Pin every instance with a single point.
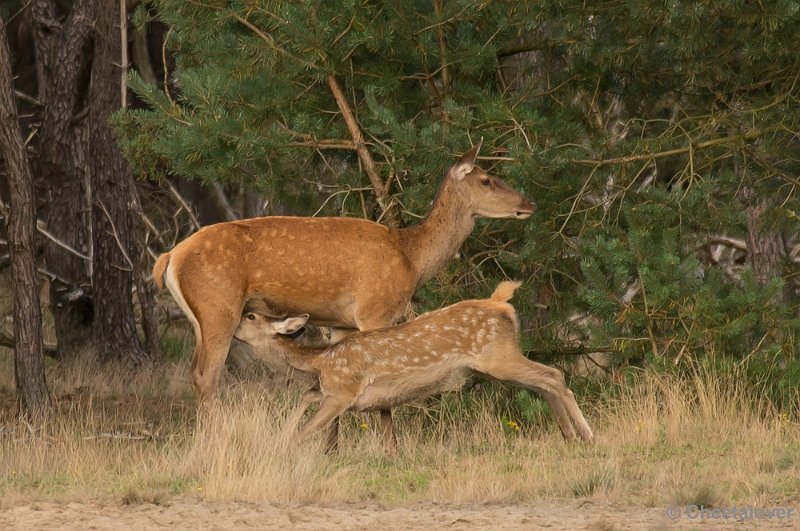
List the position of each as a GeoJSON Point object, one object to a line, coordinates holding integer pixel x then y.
{"type": "Point", "coordinates": [703, 441]}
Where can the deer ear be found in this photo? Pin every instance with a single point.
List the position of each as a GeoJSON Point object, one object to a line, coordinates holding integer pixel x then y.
{"type": "Point", "coordinates": [461, 168]}
{"type": "Point", "coordinates": [291, 325]}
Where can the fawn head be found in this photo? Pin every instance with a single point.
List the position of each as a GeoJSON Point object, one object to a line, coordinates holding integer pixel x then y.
{"type": "Point", "coordinates": [256, 328]}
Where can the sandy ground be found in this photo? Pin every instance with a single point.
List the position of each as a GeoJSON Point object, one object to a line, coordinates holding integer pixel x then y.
{"type": "Point", "coordinates": [193, 514]}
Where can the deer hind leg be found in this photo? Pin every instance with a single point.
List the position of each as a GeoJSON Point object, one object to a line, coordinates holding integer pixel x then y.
{"type": "Point", "coordinates": [214, 309]}
{"type": "Point", "coordinates": [311, 396]}
{"type": "Point", "coordinates": [208, 365]}
{"type": "Point", "coordinates": [546, 381]}
{"type": "Point", "coordinates": [329, 409]}
{"type": "Point", "coordinates": [218, 322]}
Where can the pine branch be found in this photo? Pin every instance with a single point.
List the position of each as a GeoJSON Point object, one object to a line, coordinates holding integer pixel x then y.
{"type": "Point", "coordinates": [522, 47]}
{"type": "Point", "coordinates": [437, 9]}
{"type": "Point", "coordinates": [570, 351]}
{"type": "Point", "coordinates": [693, 146]}
{"type": "Point", "coordinates": [271, 42]}
{"type": "Point", "coordinates": [326, 144]}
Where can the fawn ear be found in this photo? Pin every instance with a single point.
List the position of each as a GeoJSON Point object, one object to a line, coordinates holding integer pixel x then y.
{"type": "Point", "coordinates": [291, 325]}
{"type": "Point", "coordinates": [460, 169]}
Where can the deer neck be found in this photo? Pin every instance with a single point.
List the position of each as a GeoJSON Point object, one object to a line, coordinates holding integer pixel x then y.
{"type": "Point", "coordinates": [433, 242]}
{"type": "Point", "coordinates": [300, 357]}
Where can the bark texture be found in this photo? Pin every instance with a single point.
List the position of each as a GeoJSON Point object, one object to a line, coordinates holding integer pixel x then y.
{"type": "Point", "coordinates": [32, 394]}
{"type": "Point", "coordinates": [115, 202]}
{"type": "Point", "coordinates": [64, 53]}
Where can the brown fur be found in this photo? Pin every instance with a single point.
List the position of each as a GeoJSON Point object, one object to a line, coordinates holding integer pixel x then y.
{"type": "Point", "coordinates": [436, 352]}
{"type": "Point", "coordinates": [158, 270]}
{"type": "Point", "coordinates": [343, 272]}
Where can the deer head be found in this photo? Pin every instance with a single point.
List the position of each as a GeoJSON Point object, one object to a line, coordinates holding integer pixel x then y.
{"type": "Point", "coordinates": [487, 196]}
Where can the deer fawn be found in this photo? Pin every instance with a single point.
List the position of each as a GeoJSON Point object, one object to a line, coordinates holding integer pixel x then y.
{"type": "Point", "coordinates": [436, 352]}
{"type": "Point", "coordinates": [342, 272]}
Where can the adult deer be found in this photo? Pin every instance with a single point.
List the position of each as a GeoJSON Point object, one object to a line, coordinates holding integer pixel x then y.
{"type": "Point", "coordinates": [435, 352]}
{"type": "Point", "coordinates": [342, 272]}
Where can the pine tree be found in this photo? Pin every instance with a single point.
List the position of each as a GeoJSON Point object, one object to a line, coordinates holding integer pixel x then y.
{"type": "Point", "coordinates": [653, 136]}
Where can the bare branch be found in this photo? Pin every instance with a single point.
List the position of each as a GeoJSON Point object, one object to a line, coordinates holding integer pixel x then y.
{"type": "Point", "coordinates": [165, 67]}
{"type": "Point", "coordinates": [152, 228]}
{"type": "Point", "coordinates": [579, 350]}
{"type": "Point", "coordinates": [221, 200]}
{"type": "Point", "coordinates": [7, 340]}
{"type": "Point", "coordinates": [27, 99]}
{"type": "Point", "coordinates": [52, 276]}
{"type": "Point", "coordinates": [140, 55]}
{"type": "Point", "coordinates": [721, 239]}
{"type": "Point", "coordinates": [116, 236]}
{"type": "Point", "coordinates": [184, 205]}
{"type": "Point", "coordinates": [364, 156]}
{"type": "Point", "coordinates": [346, 191]}
{"type": "Point", "coordinates": [40, 226]}
{"type": "Point", "coordinates": [358, 138]}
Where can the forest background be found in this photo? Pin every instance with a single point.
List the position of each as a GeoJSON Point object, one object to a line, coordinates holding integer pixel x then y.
{"type": "Point", "coordinates": [659, 141]}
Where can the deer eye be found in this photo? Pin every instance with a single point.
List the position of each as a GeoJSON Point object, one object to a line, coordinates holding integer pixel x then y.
{"type": "Point", "coordinates": [486, 182]}
{"type": "Point", "coordinates": [251, 317]}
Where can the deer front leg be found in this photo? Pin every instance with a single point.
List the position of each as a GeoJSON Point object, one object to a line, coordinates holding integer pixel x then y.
{"type": "Point", "coordinates": [332, 442]}
{"type": "Point", "coordinates": [371, 320]}
{"type": "Point", "coordinates": [387, 430]}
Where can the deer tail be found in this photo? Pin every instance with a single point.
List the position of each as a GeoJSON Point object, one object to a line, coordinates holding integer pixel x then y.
{"type": "Point", "coordinates": [504, 291]}
{"type": "Point", "coordinates": [159, 268]}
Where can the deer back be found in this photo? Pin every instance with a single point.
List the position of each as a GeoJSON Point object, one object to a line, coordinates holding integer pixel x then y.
{"type": "Point", "coordinates": [319, 266]}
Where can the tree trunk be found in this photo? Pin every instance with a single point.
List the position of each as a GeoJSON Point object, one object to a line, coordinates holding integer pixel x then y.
{"type": "Point", "coordinates": [34, 399]}
{"type": "Point", "coordinates": [115, 203]}
{"type": "Point", "coordinates": [766, 250]}
{"type": "Point", "coordinates": [42, 15]}
{"type": "Point", "coordinates": [64, 59]}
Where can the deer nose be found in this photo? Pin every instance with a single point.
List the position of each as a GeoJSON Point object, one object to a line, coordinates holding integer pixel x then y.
{"type": "Point", "coordinates": [525, 209]}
